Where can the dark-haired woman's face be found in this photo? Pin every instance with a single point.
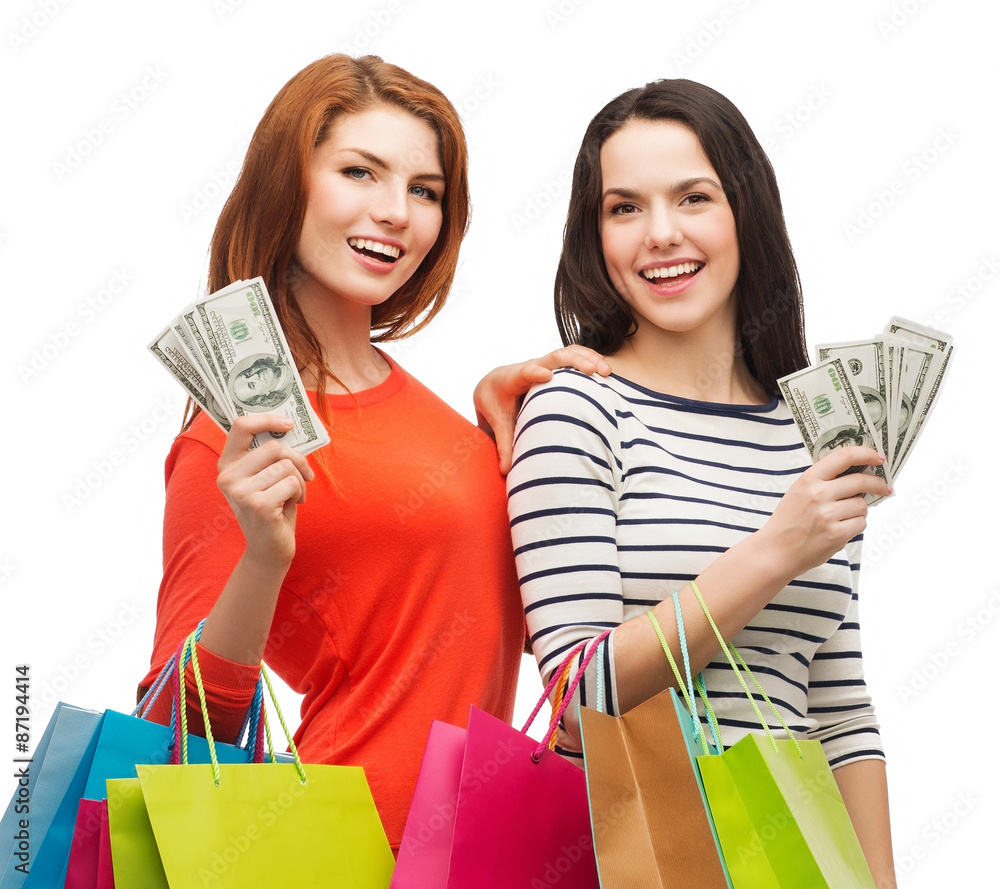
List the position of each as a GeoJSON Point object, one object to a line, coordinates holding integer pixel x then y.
{"type": "Point", "coordinates": [667, 230]}
{"type": "Point", "coordinates": [373, 209]}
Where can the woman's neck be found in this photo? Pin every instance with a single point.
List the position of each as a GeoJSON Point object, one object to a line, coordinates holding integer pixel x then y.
{"type": "Point", "coordinates": [689, 365]}
{"type": "Point", "coordinates": [344, 331]}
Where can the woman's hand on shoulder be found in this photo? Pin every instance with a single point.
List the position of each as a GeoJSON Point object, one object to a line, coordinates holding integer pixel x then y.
{"type": "Point", "coordinates": [824, 508]}
{"type": "Point", "coordinates": [499, 394]}
{"type": "Point", "coordinates": [263, 486]}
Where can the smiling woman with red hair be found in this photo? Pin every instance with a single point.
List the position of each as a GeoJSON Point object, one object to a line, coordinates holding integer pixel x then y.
{"type": "Point", "coordinates": [387, 598]}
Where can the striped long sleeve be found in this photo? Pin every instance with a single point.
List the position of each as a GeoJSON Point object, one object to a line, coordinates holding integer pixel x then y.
{"type": "Point", "coordinates": [619, 496]}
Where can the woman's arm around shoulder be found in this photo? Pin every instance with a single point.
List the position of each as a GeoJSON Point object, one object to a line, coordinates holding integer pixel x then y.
{"type": "Point", "coordinates": [498, 395]}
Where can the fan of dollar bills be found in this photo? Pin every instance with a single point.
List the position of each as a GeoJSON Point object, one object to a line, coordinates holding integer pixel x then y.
{"type": "Point", "coordinates": [229, 352]}
{"type": "Point", "coordinates": [876, 392]}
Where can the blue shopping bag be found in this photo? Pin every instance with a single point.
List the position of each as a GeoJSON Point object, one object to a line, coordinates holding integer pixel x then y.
{"type": "Point", "coordinates": [54, 782]}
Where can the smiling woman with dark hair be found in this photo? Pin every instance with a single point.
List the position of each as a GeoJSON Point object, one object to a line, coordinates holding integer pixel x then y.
{"type": "Point", "coordinates": [684, 466]}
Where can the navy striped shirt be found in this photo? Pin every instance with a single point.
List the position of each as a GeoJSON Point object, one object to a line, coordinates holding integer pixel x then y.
{"type": "Point", "coordinates": [619, 496]}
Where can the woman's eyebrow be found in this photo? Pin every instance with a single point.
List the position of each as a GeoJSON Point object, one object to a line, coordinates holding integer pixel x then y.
{"type": "Point", "coordinates": [621, 192]}
{"type": "Point", "coordinates": [631, 194]}
{"type": "Point", "coordinates": [376, 161]}
{"type": "Point", "coordinates": [694, 181]}
{"type": "Point", "coordinates": [373, 159]}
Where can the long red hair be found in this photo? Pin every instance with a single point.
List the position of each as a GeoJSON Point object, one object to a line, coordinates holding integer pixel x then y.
{"type": "Point", "coordinates": [259, 226]}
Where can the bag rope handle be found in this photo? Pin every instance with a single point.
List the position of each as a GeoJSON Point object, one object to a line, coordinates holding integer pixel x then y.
{"type": "Point", "coordinates": [189, 650]}
{"type": "Point", "coordinates": [153, 692]}
{"type": "Point", "coordinates": [698, 681]}
{"type": "Point", "coordinates": [686, 688]}
{"type": "Point", "coordinates": [251, 734]}
{"type": "Point", "coordinates": [560, 693]}
{"type": "Point", "coordinates": [570, 691]}
{"type": "Point", "coordinates": [536, 754]}
{"type": "Point", "coordinates": [601, 646]}
{"type": "Point", "coordinates": [730, 650]}
{"type": "Point", "coordinates": [553, 680]}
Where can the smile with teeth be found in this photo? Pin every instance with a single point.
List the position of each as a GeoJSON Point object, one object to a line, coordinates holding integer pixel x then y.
{"type": "Point", "coordinates": [672, 271]}
{"type": "Point", "coordinates": [375, 249]}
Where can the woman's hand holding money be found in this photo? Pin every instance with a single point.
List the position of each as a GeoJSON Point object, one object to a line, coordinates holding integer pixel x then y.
{"type": "Point", "coordinates": [264, 486]}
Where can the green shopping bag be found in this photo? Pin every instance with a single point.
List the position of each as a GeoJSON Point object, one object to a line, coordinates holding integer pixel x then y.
{"type": "Point", "coordinates": [778, 812]}
{"type": "Point", "coordinates": [262, 824]}
{"type": "Point", "coordinates": [134, 854]}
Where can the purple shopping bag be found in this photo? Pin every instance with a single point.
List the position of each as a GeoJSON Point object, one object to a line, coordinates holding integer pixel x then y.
{"type": "Point", "coordinates": [494, 809]}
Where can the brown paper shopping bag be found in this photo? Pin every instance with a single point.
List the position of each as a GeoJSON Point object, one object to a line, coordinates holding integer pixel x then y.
{"type": "Point", "coordinates": [648, 811]}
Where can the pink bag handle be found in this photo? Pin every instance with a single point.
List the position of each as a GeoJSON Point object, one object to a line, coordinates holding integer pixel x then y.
{"type": "Point", "coordinates": [571, 689]}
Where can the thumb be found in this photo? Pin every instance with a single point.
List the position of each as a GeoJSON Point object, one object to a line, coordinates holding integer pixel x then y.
{"type": "Point", "coordinates": [504, 436]}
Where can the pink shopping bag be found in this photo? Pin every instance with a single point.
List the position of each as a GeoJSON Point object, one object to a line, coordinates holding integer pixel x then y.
{"type": "Point", "coordinates": [494, 809]}
{"type": "Point", "coordinates": [105, 871]}
{"type": "Point", "coordinates": [81, 870]}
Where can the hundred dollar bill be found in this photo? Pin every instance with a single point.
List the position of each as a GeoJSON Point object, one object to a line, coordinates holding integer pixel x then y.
{"type": "Point", "coordinates": [193, 337]}
{"type": "Point", "coordinates": [867, 362]}
{"type": "Point", "coordinates": [829, 412]}
{"type": "Point", "coordinates": [898, 420]}
{"type": "Point", "coordinates": [932, 349]}
{"type": "Point", "coordinates": [253, 363]}
{"type": "Point", "coordinates": [167, 347]}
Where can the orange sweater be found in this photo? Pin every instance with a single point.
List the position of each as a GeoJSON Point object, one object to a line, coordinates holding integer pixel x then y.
{"type": "Point", "coordinates": [401, 605]}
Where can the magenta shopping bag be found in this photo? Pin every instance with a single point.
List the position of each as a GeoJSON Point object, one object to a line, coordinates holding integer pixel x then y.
{"type": "Point", "coordinates": [494, 809]}
{"type": "Point", "coordinates": [105, 871]}
{"type": "Point", "coordinates": [89, 865]}
{"type": "Point", "coordinates": [81, 870]}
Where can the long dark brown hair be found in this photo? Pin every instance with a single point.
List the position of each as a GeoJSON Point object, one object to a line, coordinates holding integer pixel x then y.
{"type": "Point", "coordinates": [258, 230]}
{"type": "Point", "coordinates": [769, 315]}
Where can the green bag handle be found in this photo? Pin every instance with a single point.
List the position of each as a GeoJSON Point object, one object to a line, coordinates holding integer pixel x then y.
{"type": "Point", "coordinates": [189, 649]}
{"type": "Point", "coordinates": [687, 689]}
{"type": "Point", "coordinates": [731, 651]}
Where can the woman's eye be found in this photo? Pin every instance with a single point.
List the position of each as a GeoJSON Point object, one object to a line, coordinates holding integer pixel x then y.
{"type": "Point", "coordinates": [423, 191]}
{"type": "Point", "coordinates": [357, 173]}
{"type": "Point", "coordinates": [624, 209]}
{"type": "Point", "coordinates": [695, 199]}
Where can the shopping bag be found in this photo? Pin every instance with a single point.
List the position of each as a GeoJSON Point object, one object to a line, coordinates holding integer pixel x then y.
{"type": "Point", "coordinates": [134, 853]}
{"type": "Point", "coordinates": [81, 871]}
{"type": "Point", "coordinates": [649, 816]}
{"type": "Point", "coordinates": [494, 809]}
{"type": "Point", "coordinates": [120, 742]}
{"type": "Point", "coordinates": [46, 800]}
{"type": "Point", "coordinates": [262, 824]}
{"type": "Point", "coordinates": [425, 850]}
{"type": "Point", "coordinates": [89, 864]}
{"type": "Point", "coordinates": [105, 871]}
{"type": "Point", "coordinates": [132, 846]}
{"type": "Point", "coordinates": [777, 809]}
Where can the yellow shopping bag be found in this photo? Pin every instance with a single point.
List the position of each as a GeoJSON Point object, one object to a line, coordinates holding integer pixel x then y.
{"type": "Point", "coordinates": [263, 824]}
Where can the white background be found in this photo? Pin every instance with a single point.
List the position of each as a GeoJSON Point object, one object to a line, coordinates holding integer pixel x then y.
{"type": "Point", "coordinates": [103, 237]}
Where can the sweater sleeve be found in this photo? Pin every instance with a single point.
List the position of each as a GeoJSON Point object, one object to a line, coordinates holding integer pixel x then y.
{"type": "Point", "coordinates": [202, 541]}
{"type": "Point", "coordinates": [563, 490]}
{"type": "Point", "coordinates": [838, 696]}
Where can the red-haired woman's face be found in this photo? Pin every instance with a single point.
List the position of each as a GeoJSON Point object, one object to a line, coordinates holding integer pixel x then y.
{"type": "Point", "coordinates": [373, 208]}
